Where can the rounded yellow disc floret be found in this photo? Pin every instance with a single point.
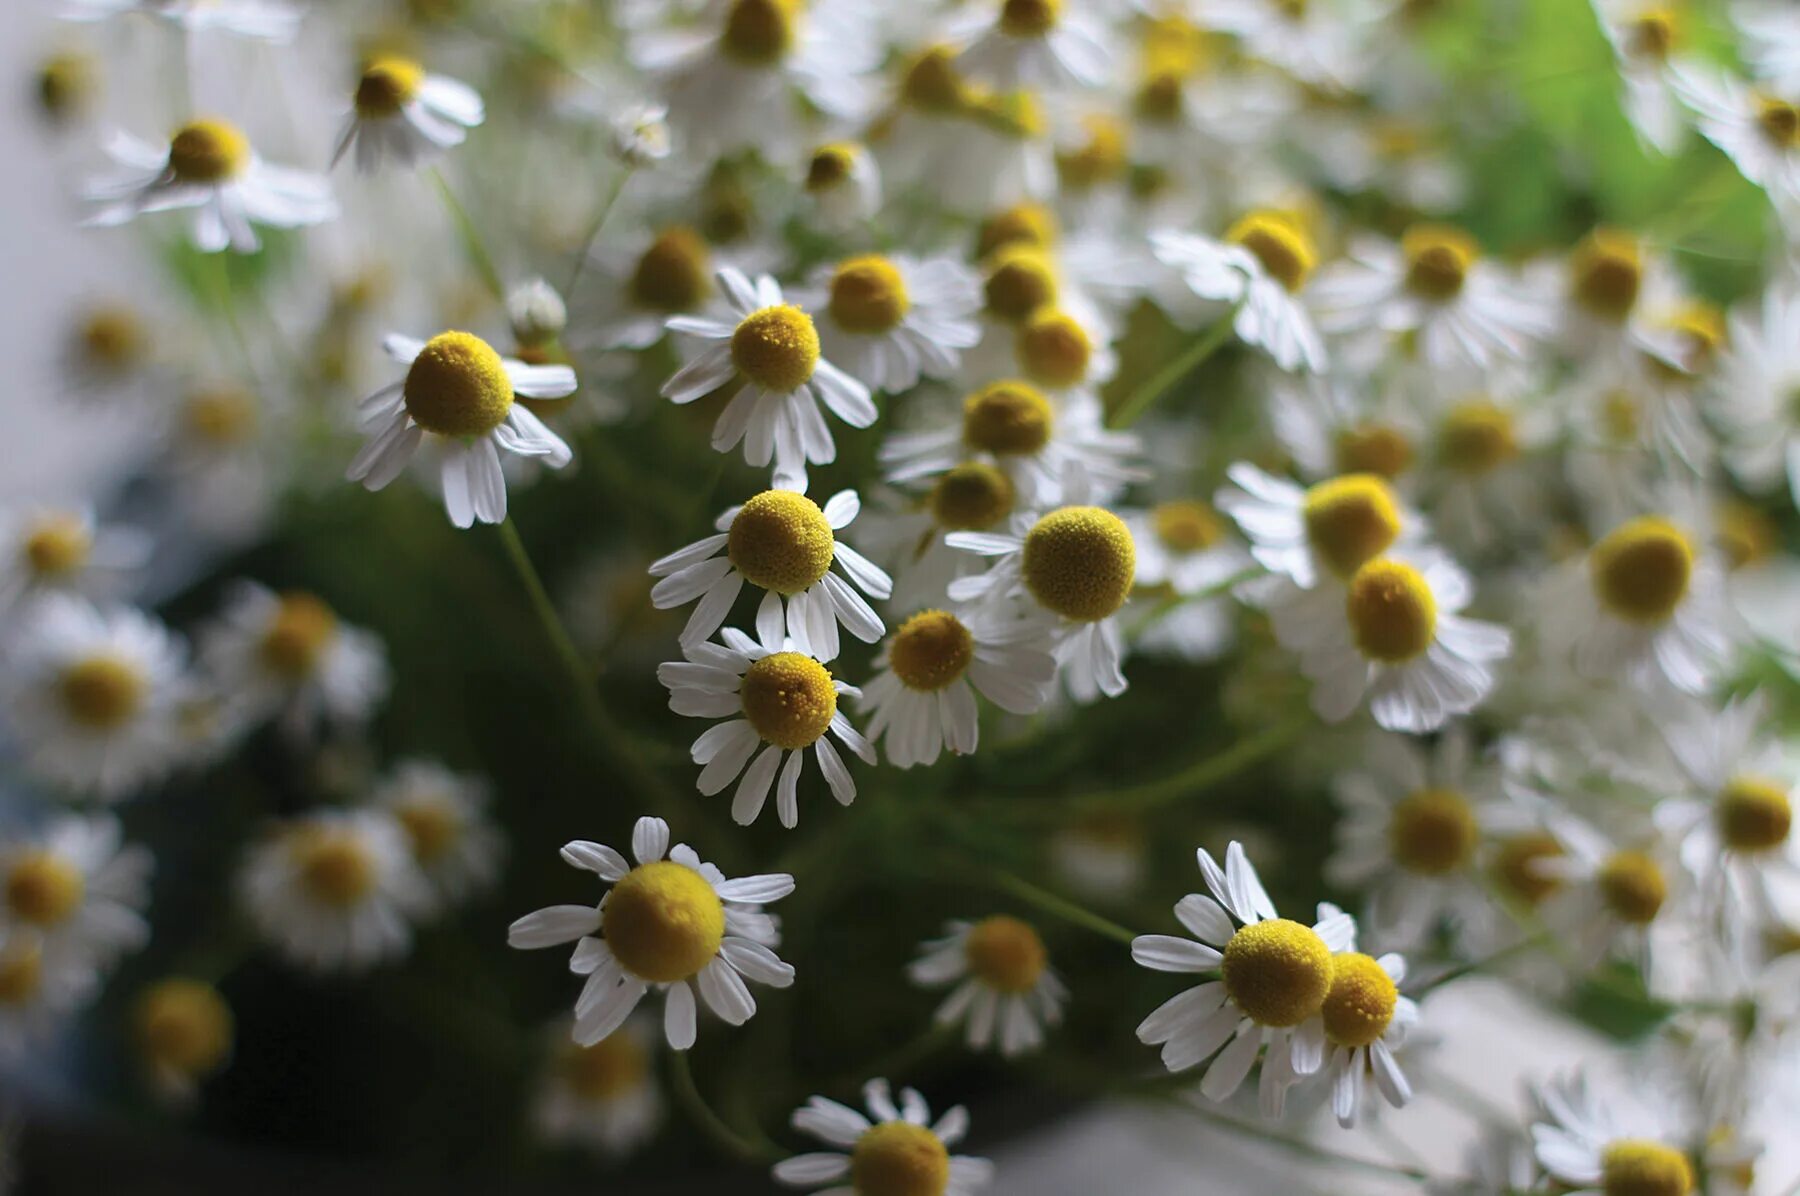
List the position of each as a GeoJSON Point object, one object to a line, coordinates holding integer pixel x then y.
{"type": "Point", "coordinates": [830, 166]}
{"type": "Point", "coordinates": [102, 693]}
{"type": "Point", "coordinates": [21, 972]}
{"type": "Point", "coordinates": [1754, 814]}
{"type": "Point", "coordinates": [1020, 282]}
{"type": "Point", "coordinates": [432, 826]}
{"type": "Point", "coordinates": [1745, 534]}
{"type": "Point", "coordinates": [1779, 122]}
{"type": "Point", "coordinates": [931, 649]}
{"type": "Point", "coordinates": [1053, 349]}
{"type": "Point", "coordinates": [219, 417]}
{"type": "Point", "coordinates": [1438, 258]}
{"type": "Point", "coordinates": [1350, 520]}
{"type": "Point", "coordinates": [303, 627]}
{"type": "Point", "coordinates": [1005, 954]}
{"type": "Point", "coordinates": [1007, 418]}
{"type": "Point", "coordinates": [43, 888]}
{"type": "Point", "coordinates": [1379, 449]}
{"type": "Point", "coordinates": [781, 541]}
{"type": "Point", "coordinates": [1029, 224]}
{"type": "Point", "coordinates": [1393, 615]}
{"type": "Point", "coordinates": [1653, 33]}
{"type": "Point", "coordinates": [898, 1158]}
{"type": "Point", "coordinates": [387, 85]}
{"type": "Point", "coordinates": [1477, 437]}
{"type": "Point", "coordinates": [868, 295]}
{"type": "Point", "coordinates": [1638, 1167]}
{"type": "Point", "coordinates": [612, 1067]}
{"type": "Point", "coordinates": [1518, 867]}
{"type": "Point", "coordinates": [674, 274]}
{"type": "Point", "coordinates": [760, 32]}
{"type": "Point", "coordinates": [1279, 243]}
{"type": "Point", "coordinates": [971, 496]}
{"type": "Point", "coordinates": [776, 348]}
{"type": "Point", "coordinates": [1277, 972]}
{"type": "Point", "coordinates": [1029, 18]}
{"type": "Point", "coordinates": [1633, 887]}
{"type": "Point", "coordinates": [1606, 272]}
{"type": "Point", "coordinates": [1079, 562]}
{"type": "Point", "coordinates": [183, 1026]}
{"type": "Point", "coordinates": [1432, 832]}
{"type": "Point", "coordinates": [208, 151]}
{"type": "Point", "coordinates": [111, 340]}
{"type": "Point", "coordinates": [663, 922]}
{"type": "Point", "coordinates": [458, 386]}
{"type": "Point", "coordinates": [931, 82]}
{"type": "Point", "coordinates": [66, 84]}
{"type": "Point", "coordinates": [1360, 1006]}
{"type": "Point", "coordinates": [334, 866]}
{"type": "Point", "coordinates": [1641, 569]}
{"type": "Point", "coordinates": [1186, 525]}
{"type": "Point", "coordinates": [789, 699]}
{"type": "Point", "coordinates": [1102, 158]}
{"type": "Point", "coordinates": [57, 545]}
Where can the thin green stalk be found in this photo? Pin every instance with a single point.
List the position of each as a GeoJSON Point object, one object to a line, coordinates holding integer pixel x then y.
{"type": "Point", "coordinates": [471, 237]}
{"type": "Point", "coordinates": [727, 1139]}
{"type": "Point", "coordinates": [1304, 1148]}
{"type": "Point", "coordinates": [1062, 907]}
{"type": "Point", "coordinates": [1176, 601]}
{"type": "Point", "coordinates": [1164, 380]}
{"type": "Point", "coordinates": [593, 230]}
{"type": "Point", "coordinates": [1483, 964]}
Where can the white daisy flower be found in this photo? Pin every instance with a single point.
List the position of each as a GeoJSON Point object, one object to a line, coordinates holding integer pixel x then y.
{"type": "Point", "coordinates": [1759, 374]}
{"type": "Point", "coordinates": [93, 695]}
{"type": "Point", "coordinates": [445, 817]}
{"type": "Point", "coordinates": [46, 549]}
{"type": "Point", "coordinates": [640, 134]}
{"type": "Point", "coordinates": [1101, 857]}
{"type": "Point", "coordinates": [404, 115]}
{"type": "Point", "coordinates": [923, 695]}
{"type": "Point", "coordinates": [264, 20]}
{"type": "Point", "coordinates": [1333, 425]}
{"type": "Point", "coordinates": [107, 353]}
{"type": "Point", "coordinates": [1483, 482]}
{"type": "Point", "coordinates": [34, 1001]}
{"type": "Point", "coordinates": [1611, 892]}
{"type": "Point", "coordinates": [603, 1096]}
{"type": "Point", "coordinates": [1034, 44]}
{"type": "Point", "coordinates": [784, 543]}
{"type": "Point", "coordinates": [1324, 44]}
{"type": "Point", "coordinates": [1759, 132]}
{"type": "Point", "coordinates": [675, 924]}
{"type": "Point", "coordinates": [1319, 533]}
{"type": "Point", "coordinates": [182, 1030]}
{"type": "Point", "coordinates": [896, 1149]}
{"type": "Point", "coordinates": [208, 167]}
{"type": "Point", "coordinates": [773, 695]}
{"type": "Point", "coordinates": [1259, 269]}
{"type": "Point", "coordinates": [843, 184]}
{"type": "Point", "coordinates": [335, 890]}
{"type": "Point", "coordinates": [1184, 564]}
{"type": "Point", "coordinates": [77, 892]}
{"type": "Point", "coordinates": [289, 655]}
{"type": "Point", "coordinates": [461, 392]}
{"type": "Point", "coordinates": [1621, 1143]}
{"type": "Point", "coordinates": [1006, 982]}
{"type": "Point", "coordinates": [772, 348]}
{"type": "Point", "coordinates": [1771, 41]}
{"type": "Point", "coordinates": [1274, 976]}
{"type": "Point", "coordinates": [908, 536]}
{"type": "Point", "coordinates": [889, 320]}
{"type": "Point", "coordinates": [1366, 1018]}
{"type": "Point", "coordinates": [667, 272]}
{"type": "Point", "coordinates": [1644, 35]}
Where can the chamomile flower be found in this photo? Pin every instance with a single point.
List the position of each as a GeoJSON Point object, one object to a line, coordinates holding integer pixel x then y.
{"type": "Point", "coordinates": [334, 891]}
{"type": "Point", "coordinates": [1754, 395]}
{"type": "Point", "coordinates": [403, 114]}
{"type": "Point", "coordinates": [445, 817]}
{"type": "Point", "coordinates": [1599, 1144]}
{"type": "Point", "coordinates": [108, 349]}
{"type": "Point", "coordinates": [208, 168]}
{"type": "Point", "coordinates": [64, 550]}
{"type": "Point", "coordinates": [1366, 1018]}
{"type": "Point", "coordinates": [1645, 36]}
{"type": "Point", "coordinates": [290, 655]}
{"type": "Point", "coordinates": [1003, 982]}
{"type": "Point", "coordinates": [1758, 131]}
{"type": "Point", "coordinates": [1771, 40]}
{"type": "Point", "coordinates": [843, 184]}
{"type": "Point", "coordinates": [1332, 425]}
{"type": "Point", "coordinates": [1037, 44]}
{"type": "Point", "coordinates": [263, 20]}
{"type": "Point", "coordinates": [1185, 559]}
{"type": "Point", "coordinates": [771, 348]}
{"type": "Point", "coordinates": [603, 1096]}
{"type": "Point", "coordinates": [77, 892]}
{"type": "Point", "coordinates": [909, 535]}
{"type": "Point", "coordinates": [1274, 976]}
{"type": "Point", "coordinates": [895, 1150]}
{"type": "Point", "coordinates": [674, 923]}
{"type": "Point", "coordinates": [33, 1000]}
{"type": "Point", "coordinates": [922, 698]}
{"type": "Point", "coordinates": [1319, 533]}
{"type": "Point", "coordinates": [1614, 891]}
{"type": "Point", "coordinates": [93, 695]}
{"type": "Point", "coordinates": [640, 134]}
{"type": "Point", "coordinates": [1483, 482]}
{"type": "Point", "coordinates": [463, 394]}
{"type": "Point", "coordinates": [1255, 274]}
{"type": "Point", "coordinates": [776, 699]}
{"type": "Point", "coordinates": [888, 320]}
{"type": "Point", "coordinates": [182, 1030]}
{"type": "Point", "coordinates": [785, 544]}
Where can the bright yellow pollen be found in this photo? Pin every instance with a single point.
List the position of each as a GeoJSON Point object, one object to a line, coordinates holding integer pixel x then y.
{"type": "Point", "coordinates": [1432, 832]}
{"type": "Point", "coordinates": [1477, 437]}
{"type": "Point", "coordinates": [1653, 34]}
{"type": "Point", "coordinates": [208, 151]}
{"type": "Point", "coordinates": [1005, 954]}
{"type": "Point", "coordinates": [1277, 972]}
{"type": "Point", "coordinates": [1779, 122]}
{"type": "Point", "coordinates": [1350, 520]}
{"type": "Point", "coordinates": [1053, 350]}
{"type": "Point", "coordinates": [333, 866]}
{"type": "Point", "coordinates": [1101, 159]}
{"type": "Point", "coordinates": [971, 496]}
{"type": "Point", "coordinates": [611, 1068]}
{"type": "Point", "coordinates": [1392, 612]}
{"type": "Point", "coordinates": [102, 693]}
{"type": "Point", "coordinates": [1279, 243]}
{"type": "Point", "coordinates": [1635, 1167]}
{"type": "Point", "coordinates": [1029, 18]}
{"type": "Point", "coordinates": [65, 83]}
{"type": "Point", "coordinates": [303, 627]}
{"type": "Point", "coordinates": [43, 888]}
{"type": "Point", "coordinates": [932, 84]}
{"type": "Point", "coordinates": [1633, 886]}
{"type": "Point", "coordinates": [183, 1026]}
{"type": "Point", "coordinates": [1186, 525]}
{"type": "Point", "coordinates": [1746, 535]}
{"type": "Point", "coordinates": [663, 922]}
{"type": "Point", "coordinates": [1516, 866]}
{"type": "Point", "coordinates": [1079, 562]}
{"type": "Point", "coordinates": [789, 699]}
{"type": "Point", "coordinates": [220, 416]}
{"type": "Point", "coordinates": [931, 650]}
{"type": "Point", "coordinates": [1607, 271]}
{"type": "Point", "coordinates": [1641, 569]}
{"type": "Point", "coordinates": [898, 1158]}
{"type": "Point", "coordinates": [674, 274]}
{"type": "Point", "coordinates": [1008, 418]}
{"type": "Point", "coordinates": [1438, 258]}
{"type": "Point", "coordinates": [1020, 282]}
{"type": "Point", "coordinates": [1380, 449]}
{"type": "Point", "coordinates": [21, 973]}
{"type": "Point", "coordinates": [776, 348]}
{"type": "Point", "coordinates": [868, 295]}
{"type": "Point", "coordinates": [830, 166]}
{"type": "Point", "coordinates": [1360, 1006]}
{"type": "Point", "coordinates": [387, 85]}
{"type": "Point", "coordinates": [1754, 814]}
{"type": "Point", "coordinates": [1701, 332]}
{"type": "Point", "coordinates": [57, 545]}
{"type": "Point", "coordinates": [760, 32]}
{"type": "Point", "coordinates": [1031, 225]}
{"type": "Point", "coordinates": [780, 541]}
{"type": "Point", "coordinates": [432, 826]}
{"type": "Point", "coordinates": [111, 339]}
{"type": "Point", "coordinates": [458, 386]}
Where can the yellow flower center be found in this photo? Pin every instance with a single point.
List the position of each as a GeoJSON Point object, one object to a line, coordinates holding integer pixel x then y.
{"type": "Point", "coordinates": [780, 541]}
{"type": "Point", "coordinates": [1279, 243]}
{"type": "Point", "coordinates": [57, 545]}
{"type": "Point", "coordinates": [102, 693]}
{"type": "Point", "coordinates": [432, 825]}
{"type": "Point", "coordinates": [1101, 159]}
{"type": "Point", "coordinates": [208, 151]}
{"type": "Point", "coordinates": [898, 1158]}
{"type": "Point", "coordinates": [971, 496]}
{"type": "Point", "coordinates": [1008, 418]}
{"type": "Point", "coordinates": [21, 974]}
{"type": "Point", "coordinates": [868, 295]}
{"type": "Point", "coordinates": [675, 273]}
{"type": "Point", "coordinates": [1360, 1006]}
{"type": "Point", "coordinates": [220, 417]}
{"type": "Point", "coordinates": [1636, 1167]}
{"type": "Point", "coordinates": [932, 84]}
{"type": "Point", "coordinates": [111, 339]}
{"type": "Point", "coordinates": [1477, 437]}
{"type": "Point", "coordinates": [760, 32]}
{"type": "Point", "coordinates": [1641, 569]}
{"type": "Point", "coordinates": [1350, 520]}
{"type": "Point", "coordinates": [458, 386]}
{"type": "Point", "coordinates": [1653, 34]}
{"type": "Point", "coordinates": [1020, 282]}
{"type": "Point", "coordinates": [1516, 866]}
{"type": "Point", "coordinates": [789, 699]}
{"type": "Point", "coordinates": [387, 85]}
{"type": "Point", "coordinates": [1607, 271]}
{"type": "Point", "coordinates": [1079, 562]}
{"type": "Point", "coordinates": [1380, 449]}
{"type": "Point", "coordinates": [1438, 258]}
{"type": "Point", "coordinates": [1186, 525]}
{"type": "Point", "coordinates": [611, 1068]}
{"type": "Point", "coordinates": [1277, 972]}
{"type": "Point", "coordinates": [1031, 225]}
{"type": "Point", "coordinates": [1432, 832]}
{"type": "Point", "coordinates": [776, 348]}
{"type": "Point", "coordinates": [1052, 349]}
{"type": "Point", "coordinates": [1029, 18]}
{"type": "Point", "coordinates": [1393, 615]}
{"type": "Point", "coordinates": [1005, 954]}
{"type": "Point", "coordinates": [1779, 122]}
{"type": "Point", "coordinates": [303, 627]}
{"type": "Point", "coordinates": [184, 1026]}
{"type": "Point", "coordinates": [1633, 886]}
{"type": "Point", "coordinates": [1746, 535]}
{"type": "Point", "coordinates": [333, 866]}
{"type": "Point", "coordinates": [1700, 332]}
{"type": "Point", "coordinates": [1159, 96]}
{"type": "Point", "coordinates": [663, 922]}
{"type": "Point", "coordinates": [930, 650]}
{"type": "Point", "coordinates": [1754, 814]}
{"type": "Point", "coordinates": [65, 83]}
{"type": "Point", "coordinates": [830, 166]}
{"type": "Point", "coordinates": [43, 888]}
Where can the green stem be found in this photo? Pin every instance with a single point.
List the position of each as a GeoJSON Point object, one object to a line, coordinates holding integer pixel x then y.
{"type": "Point", "coordinates": [1483, 964]}
{"type": "Point", "coordinates": [471, 236]}
{"type": "Point", "coordinates": [1062, 907]}
{"type": "Point", "coordinates": [1304, 1148]}
{"type": "Point", "coordinates": [1164, 380]}
{"type": "Point", "coordinates": [593, 230]}
{"type": "Point", "coordinates": [728, 1140]}
{"type": "Point", "coordinates": [1174, 602]}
